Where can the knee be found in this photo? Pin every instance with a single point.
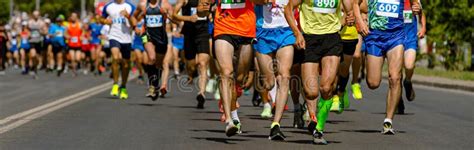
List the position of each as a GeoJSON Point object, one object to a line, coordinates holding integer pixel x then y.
{"type": "Point", "coordinates": [326, 90]}
{"type": "Point", "coordinates": [311, 94]}
{"type": "Point", "coordinates": [227, 73]}
{"type": "Point", "coordinates": [394, 80]}
{"type": "Point", "coordinates": [373, 84]}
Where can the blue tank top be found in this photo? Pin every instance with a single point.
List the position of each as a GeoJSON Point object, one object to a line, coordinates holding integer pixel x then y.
{"type": "Point", "coordinates": [386, 14]}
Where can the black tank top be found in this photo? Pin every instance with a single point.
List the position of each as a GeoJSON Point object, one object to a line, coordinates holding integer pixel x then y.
{"type": "Point", "coordinates": [198, 28]}
{"type": "Point", "coordinates": [155, 23]}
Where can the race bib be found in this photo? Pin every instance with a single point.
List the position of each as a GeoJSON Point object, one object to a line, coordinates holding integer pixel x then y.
{"type": "Point", "coordinates": [24, 41]}
{"type": "Point", "coordinates": [59, 34]}
{"type": "Point", "coordinates": [14, 42]}
{"type": "Point", "coordinates": [85, 41]}
{"type": "Point", "coordinates": [325, 6]}
{"type": "Point", "coordinates": [153, 21]}
{"type": "Point", "coordinates": [74, 39]}
{"type": "Point", "coordinates": [408, 16]}
{"type": "Point", "coordinates": [35, 34]}
{"type": "Point", "coordinates": [119, 20]}
{"type": "Point", "coordinates": [194, 11]}
{"type": "Point", "coordinates": [388, 8]}
{"type": "Point", "coordinates": [232, 4]}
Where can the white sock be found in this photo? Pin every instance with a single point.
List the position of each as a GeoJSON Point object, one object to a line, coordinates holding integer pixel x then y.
{"type": "Point", "coordinates": [273, 93]}
{"type": "Point", "coordinates": [267, 105]}
{"type": "Point", "coordinates": [234, 115]}
{"type": "Point", "coordinates": [388, 120]}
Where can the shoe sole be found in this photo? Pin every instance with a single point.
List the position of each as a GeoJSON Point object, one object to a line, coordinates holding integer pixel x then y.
{"type": "Point", "coordinates": [231, 131]}
{"type": "Point", "coordinates": [319, 141]}
{"type": "Point", "coordinates": [388, 132]}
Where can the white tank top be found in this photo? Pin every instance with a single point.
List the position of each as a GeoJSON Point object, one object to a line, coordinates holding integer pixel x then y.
{"type": "Point", "coordinates": [273, 14]}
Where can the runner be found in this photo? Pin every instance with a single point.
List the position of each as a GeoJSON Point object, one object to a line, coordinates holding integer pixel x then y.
{"type": "Point", "coordinates": [234, 29]}
{"type": "Point", "coordinates": [74, 37]}
{"type": "Point", "coordinates": [24, 47]}
{"type": "Point", "coordinates": [139, 50]}
{"type": "Point", "coordinates": [96, 47]}
{"type": "Point", "coordinates": [3, 47]}
{"type": "Point", "coordinates": [48, 47]}
{"type": "Point", "coordinates": [117, 14]}
{"type": "Point", "coordinates": [411, 46]}
{"type": "Point", "coordinates": [322, 46]}
{"type": "Point", "coordinates": [384, 37]}
{"type": "Point", "coordinates": [274, 41]}
{"type": "Point", "coordinates": [56, 33]}
{"type": "Point", "coordinates": [156, 41]}
{"type": "Point", "coordinates": [86, 47]}
{"type": "Point", "coordinates": [196, 40]}
{"type": "Point", "coordinates": [13, 55]}
{"type": "Point", "coordinates": [36, 27]}
{"type": "Point", "coordinates": [178, 46]}
{"type": "Point", "coordinates": [350, 39]}
{"type": "Point", "coordinates": [167, 60]}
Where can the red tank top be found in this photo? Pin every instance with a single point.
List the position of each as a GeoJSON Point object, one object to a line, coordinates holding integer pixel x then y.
{"type": "Point", "coordinates": [75, 32]}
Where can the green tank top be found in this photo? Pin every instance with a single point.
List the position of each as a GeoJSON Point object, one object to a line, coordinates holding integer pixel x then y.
{"type": "Point", "coordinates": [320, 16]}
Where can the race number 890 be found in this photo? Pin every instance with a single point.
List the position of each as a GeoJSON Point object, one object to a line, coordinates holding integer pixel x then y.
{"type": "Point", "coordinates": [326, 3]}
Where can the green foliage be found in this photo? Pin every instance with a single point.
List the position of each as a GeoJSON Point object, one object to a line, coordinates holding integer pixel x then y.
{"type": "Point", "coordinates": [54, 7]}
{"type": "Point", "coordinates": [5, 13]}
{"type": "Point", "coordinates": [451, 20]}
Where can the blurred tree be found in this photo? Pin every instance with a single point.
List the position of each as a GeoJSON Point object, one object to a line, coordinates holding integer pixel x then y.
{"type": "Point", "coordinates": [5, 13]}
{"type": "Point", "coordinates": [54, 7]}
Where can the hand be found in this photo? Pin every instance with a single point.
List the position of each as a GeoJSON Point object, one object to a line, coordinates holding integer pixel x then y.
{"type": "Point", "coordinates": [193, 18]}
{"type": "Point", "coordinates": [362, 28]}
{"type": "Point", "coordinates": [167, 7]}
{"type": "Point", "coordinates": [350, 19]}
{"type": "Point", "coordinates": [108, 21]}
{"type": "Point", "coordinates": [138, 31]}
{"type": "Point", "coordinates": [421, 33]}
{"type": "Point", "coordinates": [125, 13]}
{"type": "Point", "coordinates": [415, 7]}
{"type": "Point", "coordinates": [300, 42]}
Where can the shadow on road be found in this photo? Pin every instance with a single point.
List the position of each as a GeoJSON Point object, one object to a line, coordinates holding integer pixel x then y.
{"type": "Point", "coordinates": [221, 140]}
{"type": "Point", "coordinates": [369, 131]}
{"type": "Point", "coordinates": [337, 121]}
{"type": "Point", "coordinates": [305, 131]}
{"type": "Point", "coordinates": [144, 104]}
{"type": "Point", "coordinates": [383, 113]}
{"type": "Point", "coordinates": [207, 112]}
{"type": "Point", "coordinates": [206, 119]}
{"type": "Point", "coordinates": [311, 142]}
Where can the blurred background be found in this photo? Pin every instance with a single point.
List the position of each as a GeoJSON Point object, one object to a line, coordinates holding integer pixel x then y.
{"type": "Point", "coordinates": [446, 51]}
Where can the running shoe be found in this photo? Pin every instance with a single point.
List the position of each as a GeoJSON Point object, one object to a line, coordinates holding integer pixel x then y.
{"type": "Point", "coordinates": [238, 125]}
{"type": "Point", "coordinates": [201, 100]}
{"type": "Point", "coordinates": [115, 90]}
{"type": "Point", "coordinates": [276, 134]}
{"type": "Point", "coordinates": [298, 118]}
{"type": "Point", "coordinates": [337, 106]}
{"type": "Point", "coordinates": [152, 93]}
{"type": "Point", "coordinates": [123, 93]}
{"type": "Point", "coordinates": [387, 129]}
{"type": "Point", "coordinates": [356, 92]}
{"type": "Point", "coordinates": [163, 92]}
{"type": "Point", "coordinates": [318, 138]}
{"type": "Point", "coordinates": [409, 92]}
{"type": "Point", "coordinates": [246, 92]}
{"type": "Point", "coordinates": [231, 129]}
{"type": "Point", "coordinates": [256, 100]}
{"type": "Point", "coordinates": [266, 113]}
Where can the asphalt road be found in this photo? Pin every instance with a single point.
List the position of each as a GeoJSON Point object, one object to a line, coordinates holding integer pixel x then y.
{"type": "Point", "coordinates": [437, 119]}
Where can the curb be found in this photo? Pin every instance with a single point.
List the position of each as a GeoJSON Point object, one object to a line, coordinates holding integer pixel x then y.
{"type": "Point", "coordinates": [433, 83]}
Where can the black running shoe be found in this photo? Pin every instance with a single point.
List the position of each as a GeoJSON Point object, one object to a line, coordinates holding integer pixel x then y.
{"type": "Point", "coordinates": [276, 134]}
{"type": "Point", "coordinates": [298, 118]}
{"type": "Point", "coordinates": [201, 101]}
{"type": "Point", "coordinates": [318, 138]}
{"type": "Point", "coordinates": [387, 129]}
{"type": "Point", "coordinates": [311, 127]}
{"type": "Point", "coordinates": [409, 92]}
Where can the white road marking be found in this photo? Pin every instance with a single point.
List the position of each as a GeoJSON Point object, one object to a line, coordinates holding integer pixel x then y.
{"type": "Point", "coordinates": [37, 112]}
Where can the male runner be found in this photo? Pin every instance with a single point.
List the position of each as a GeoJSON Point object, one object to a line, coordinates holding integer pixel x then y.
{"type": "Point", "coordinates": [156, 41]}
{"type": "Point", "coordinates": [117, 14]}
{"type": "Point", "coordinates": [139, 50]}
{"type": "Point", "coordinates": [350, 39]}
{"type": "Point", "coordinates": [74, 36]}
{"type": "Point", "coordinates": [36, 27]}
{"type": "Point", "coordinates": [410, 45]}
{"type": "Point", "coordinates": [275, 41]}
{"type": "Point", "coordinates": [322, 46]}
{"type": "Point", "coordinates": [196, 40]}
{"type": "Point", "coordinates": [384, 37]}
{"type": "Point", "coordinates": [96, 47]}
{"type": "Point", "coordinates": [57, 32]}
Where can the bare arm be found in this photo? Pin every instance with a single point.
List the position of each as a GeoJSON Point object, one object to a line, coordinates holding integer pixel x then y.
{"type": "Point", "coordinates": [290, 18]}
{"type": "Point", "coordinates": [421, 33]}
{"type": "Point", "coordinates": [261, 2]}
{"type": "Point", "coordinates": [362, 27]}
{"type": "Point", "coordinates": [348, 13]}
{"type": "Point", "coordinates": [138, 14]}
{"type": "Point", "coordinates": [177, 8]}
